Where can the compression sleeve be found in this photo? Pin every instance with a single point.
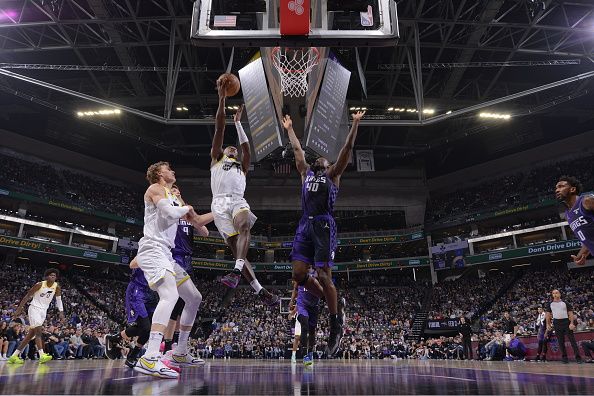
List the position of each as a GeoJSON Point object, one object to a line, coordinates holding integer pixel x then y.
{"type": "Point", "coordinates": [171, 212]}
{"type": "Point", "coordinates": [241, 133]}
{"type": "Point", "coordinates": [59, 303]}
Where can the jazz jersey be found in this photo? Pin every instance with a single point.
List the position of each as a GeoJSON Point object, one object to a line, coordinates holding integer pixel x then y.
{"type": "Point", "coordinates": [44, 296]}
{"type": "Point", "coordinates": [157, 228]}
{"type": "Point", "coordinates": [581, 222]}
{"type": "Point", "coordinates": [227, 178]}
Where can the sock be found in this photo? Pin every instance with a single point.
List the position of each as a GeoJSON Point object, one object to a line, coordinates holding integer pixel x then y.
{"type": "Point", "coordinates": [256, 286]}
{"type": "Point", "coordinates": [17, 352]}
{"type": "Point", "coordinates": [154, 342]}
{"type": "Point", "coordinates": [239, 264]}
{"type": "Point", "coordinates": [294, 354]}
{"type": "Point", "coordinates": [176, 336]}
{"type": "Point", "coordinates": [182, 344]}
{"type": "Point", "coordinates": [40, 350]}
{"type": "Point", "coordinates": [168, 344]}
{"type": "Point", "coordinates": [134, 353]}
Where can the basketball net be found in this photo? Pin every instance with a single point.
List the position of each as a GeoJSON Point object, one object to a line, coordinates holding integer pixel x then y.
{"type": "Point", "coordinates": [293, 66]}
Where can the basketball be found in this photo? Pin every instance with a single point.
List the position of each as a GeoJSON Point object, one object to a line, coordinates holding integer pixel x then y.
{"type": "Point", "coordinates": [233, 84]}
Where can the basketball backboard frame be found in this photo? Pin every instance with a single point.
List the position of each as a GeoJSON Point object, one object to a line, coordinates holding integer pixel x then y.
{"type": "Point", "coordinates": [267, 32]}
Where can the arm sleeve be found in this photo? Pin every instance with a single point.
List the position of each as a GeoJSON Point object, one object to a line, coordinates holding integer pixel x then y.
{"type": "Point", "coordinates": [59, 303]}
{"type": "Point", "coordinates": [241, 133]}
{"type": "Point", "coordinates": [569, 308]}
{"type": "Point", "coordinates": [171, 212]}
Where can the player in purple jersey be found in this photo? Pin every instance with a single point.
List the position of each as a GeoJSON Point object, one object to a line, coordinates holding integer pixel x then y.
{"type": "Point", "coordinates": [182, 254]}
{"type": "Point", "coordinates": [140, 305]}
{"type": "Point", "coordinates": [304, 307]}
{"type": "Point", "coordinates": [579, 214]}
{"type": "Point", "coordinates": [315, 239]}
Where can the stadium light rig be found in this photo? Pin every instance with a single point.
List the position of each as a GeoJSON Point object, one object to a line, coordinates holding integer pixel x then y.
{"type": "Point", "coordinates": [181, 108]}
{"type": "Point", "coordinates": [498, 116]}
{"type": "Point", "coordinates": [102, 112]}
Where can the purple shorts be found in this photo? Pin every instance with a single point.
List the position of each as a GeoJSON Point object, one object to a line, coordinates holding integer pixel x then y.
{"type": "Point", "coordinates": [184, 261]}
{"type": "Point", "coordinates": [310, 312]}
{"type": "Point", "coordinates": [139, 302]}
{"type": "Point", "coordinates": [315, 241]}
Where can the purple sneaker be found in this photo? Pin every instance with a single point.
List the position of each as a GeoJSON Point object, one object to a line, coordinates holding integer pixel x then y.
{"type": "Point", "coordinates": [268, 298]}
{"type": "Point", "coordinates": [231, 280]}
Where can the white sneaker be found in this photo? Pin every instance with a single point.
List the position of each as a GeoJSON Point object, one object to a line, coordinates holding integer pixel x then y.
{"type": "Point", "coordinates": [168, 354]}
{"type": "Point", "coordinates": [155, 367]}
{"type": "Point", "coordinates": [185, 360]}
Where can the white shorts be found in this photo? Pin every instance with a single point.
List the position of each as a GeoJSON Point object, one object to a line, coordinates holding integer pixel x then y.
{"type": "Point", "coordinates": [36, 316]}
{"type": "Point", "coordinates": [224, 210]}
{"type": "Point", "coordinates": [155, 260]}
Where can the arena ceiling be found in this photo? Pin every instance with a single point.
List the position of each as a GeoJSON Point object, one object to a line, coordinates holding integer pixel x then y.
{"type": "Point", "coordinates": [466, 51]}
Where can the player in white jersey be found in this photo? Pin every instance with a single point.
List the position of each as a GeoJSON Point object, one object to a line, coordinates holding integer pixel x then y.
{"type": "Point", "coordinates": [162, 211]}
{"type": "Point", "coordinates": [232, 214]}
{"type": "Point", "coordinates": [42, 293]}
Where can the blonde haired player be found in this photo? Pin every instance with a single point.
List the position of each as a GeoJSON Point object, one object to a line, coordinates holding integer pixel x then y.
{"type": "Point", "coordinates": [162, 211]}
{"type": "Point", "coordinates": [42, 293]}
{"type": "Point", "coordinates": [232, 214]}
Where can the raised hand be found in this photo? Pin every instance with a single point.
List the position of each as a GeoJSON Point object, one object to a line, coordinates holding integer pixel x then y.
{"type": "Point", "coordinates": [237, 116]}
{"type": "Point", "coordinates": [287, 122]}
{"type": "Point", "coordinates": [358, 115]}
{"type": "Point", "coordinates": [222, 87]}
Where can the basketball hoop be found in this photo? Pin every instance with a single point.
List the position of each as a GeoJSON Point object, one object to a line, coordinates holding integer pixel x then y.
{"type": "Point", "coordinates": [293, 65]}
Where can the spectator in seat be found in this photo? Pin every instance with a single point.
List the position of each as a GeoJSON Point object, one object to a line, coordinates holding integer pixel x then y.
{"type": "Point", "coordinates": [516, 348]}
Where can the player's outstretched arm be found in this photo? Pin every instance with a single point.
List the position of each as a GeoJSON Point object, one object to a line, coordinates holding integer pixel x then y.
{"type": "Point", "coordinates": [199, 221]}
{"type": "Point", "coordinates": [302, 166]}
{"type": "Point", "coordinates": [246, 154]}
{"type": "Point", "coordinates": [344, 156]}
{"type": "Point", "coordinates": [27, 297]}
{"type": "Point", "coordinates": [217, 142]}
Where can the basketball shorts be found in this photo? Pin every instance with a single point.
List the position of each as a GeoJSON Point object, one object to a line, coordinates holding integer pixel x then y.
{"type": "Point", "coordinates": [140, 302]}
{"type": "Point", "coordinates": [315, 241]}
{"type": "Point", "coordinates": [155, 260]}
{"type": "Point", "coordinates": [224, 210]}
{"type": "Point", "coordinates": [310, 312]}
{"type": "Point", "coordinates": [184, 261]}
{"type": "Point", "coordinates": [36, 316]}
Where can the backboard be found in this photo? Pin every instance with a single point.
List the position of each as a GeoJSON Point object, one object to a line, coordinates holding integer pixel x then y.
{"type": "Point", "coordinates": [257, 23]}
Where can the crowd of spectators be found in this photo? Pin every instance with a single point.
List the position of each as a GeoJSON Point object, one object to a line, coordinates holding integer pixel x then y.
{"type": "Point", "coordinates": [533, 290]}
{"type": "Point", "coordinates": [78, 189]}
{"type": "Point", "coordinates": [465, 297]}
{"type": "Point", "coordinates": [512, 190]}
{"type": "Point", "coordinates": [380, 313]}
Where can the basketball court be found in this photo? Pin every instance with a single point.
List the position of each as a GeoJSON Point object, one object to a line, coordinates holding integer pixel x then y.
{"type": "Point", "coordinates": [335, 377]}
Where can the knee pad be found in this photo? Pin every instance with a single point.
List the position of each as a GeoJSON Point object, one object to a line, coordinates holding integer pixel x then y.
{"type": "Point", "coordinates": [177, 310]}
{"type": "Point", "coordinates": [132, 330]}
{"type": "Point", "coordinates": [301, 279]}
{"type": "Point", "coordinates": [144, 330]}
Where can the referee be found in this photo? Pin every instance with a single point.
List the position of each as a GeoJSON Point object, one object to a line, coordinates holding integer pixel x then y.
{"type": "Point", "coordinates": [563, 323]}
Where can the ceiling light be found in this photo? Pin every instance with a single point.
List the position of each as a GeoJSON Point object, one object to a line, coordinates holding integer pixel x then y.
{"type": "Point", "coordinates": [100, 112]}
{"type": "Point", "coordinates": [352, 108]}
{"type": "Point", "coordinates": [363, 108]}
{"type": "Point", "coordinates": [449, 112]}
{"type": "Point", "coordinates": [428, 111]}
{"type": "Point", "coordinates": [495, 116]}
{"type": "Point", "coordinates": [185, 108]}
{"type": "Point", "coordinates": [390, 109]}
